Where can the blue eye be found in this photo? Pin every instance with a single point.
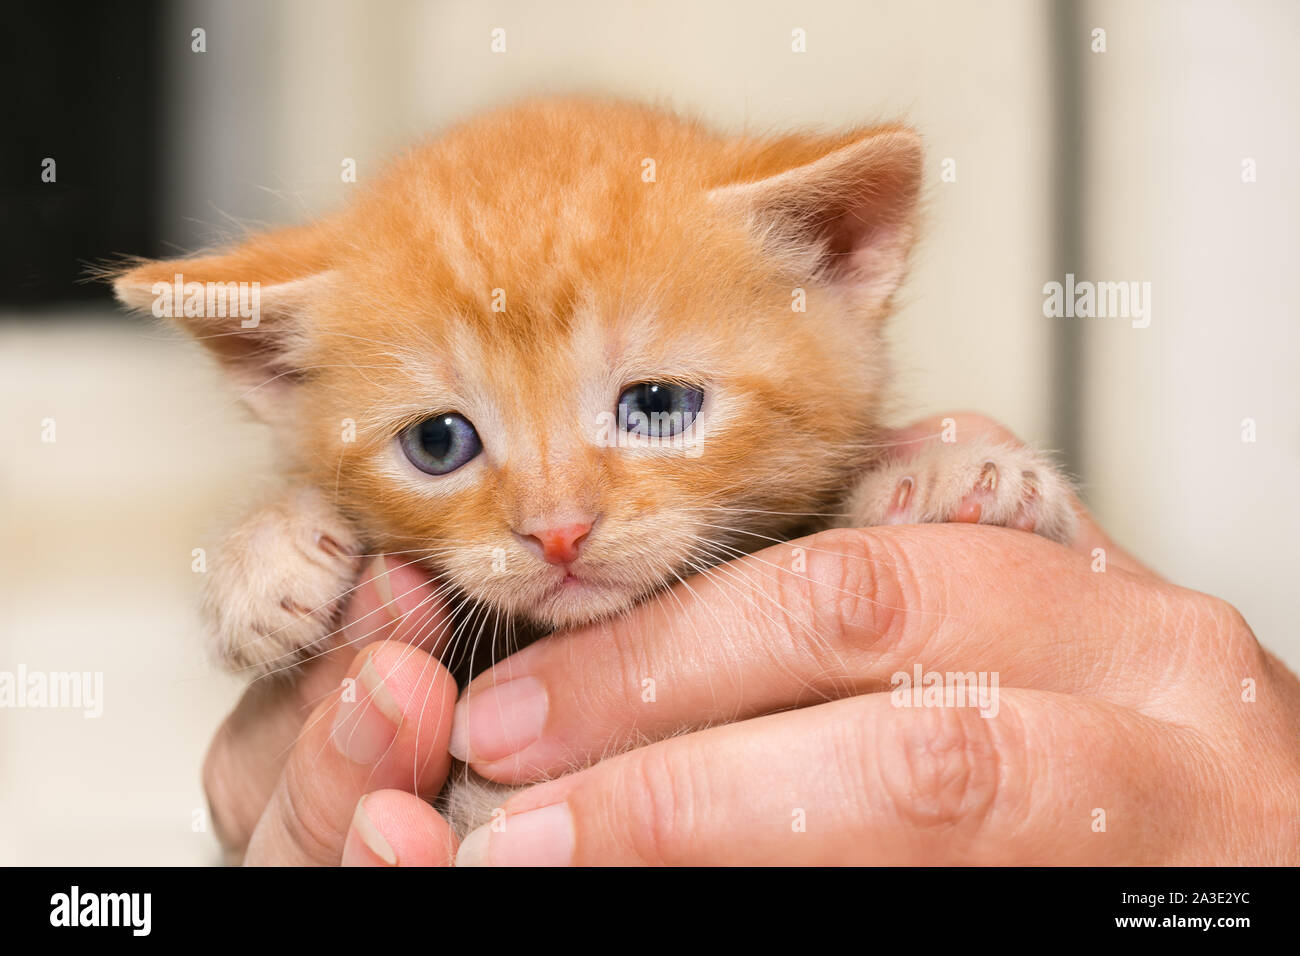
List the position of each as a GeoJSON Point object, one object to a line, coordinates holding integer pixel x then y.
{"type": "Point", "coordinates": [658, 409]}
{"type": "Point", "coordinates": [441, 444]}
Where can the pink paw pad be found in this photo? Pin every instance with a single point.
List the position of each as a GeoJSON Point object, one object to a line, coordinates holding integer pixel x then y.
{"type": "Point", "coordinates": [971, 508]}
{"type": "Point", "coordinates": [988, 500]}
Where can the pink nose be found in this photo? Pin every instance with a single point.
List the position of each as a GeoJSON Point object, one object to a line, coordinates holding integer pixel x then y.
{"type": "Point", "coordinates": [560, 543]}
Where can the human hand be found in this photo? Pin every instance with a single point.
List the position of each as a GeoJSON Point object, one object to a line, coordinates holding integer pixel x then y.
{"type": "Point", "coordinates": [287, 771]}
{"type": "Point", "coordinates": [1122, 704]}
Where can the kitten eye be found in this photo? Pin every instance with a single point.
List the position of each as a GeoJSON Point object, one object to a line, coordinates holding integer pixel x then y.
{"type": "Point", "coordinates": [441, 444]}
{"type": "Point", "coordinates": [658, 409]}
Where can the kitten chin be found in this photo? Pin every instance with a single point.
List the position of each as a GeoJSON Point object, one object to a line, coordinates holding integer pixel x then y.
{"type": "Point", "coordinates": [484, 650]}
{"type": "Point", "coordinates": [576, 605]}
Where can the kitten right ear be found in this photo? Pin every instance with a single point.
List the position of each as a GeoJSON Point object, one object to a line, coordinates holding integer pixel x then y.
{"type": "Point", "coordinates": [844, 206]}
{"type": "Point", "coordinates": [249, 307]}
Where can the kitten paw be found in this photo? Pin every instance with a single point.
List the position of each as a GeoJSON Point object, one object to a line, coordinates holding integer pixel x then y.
{"type": "Point", "coordinates": [977, 483]}
{"type": "Point", "coordinates": [468, 801]}
{"type": "Point", "coordinates": [278, 582]}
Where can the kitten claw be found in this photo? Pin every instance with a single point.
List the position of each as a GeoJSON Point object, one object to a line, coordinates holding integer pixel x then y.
{"type": "Point", "coordinates": [330, 546]}
{"type": "Point", "coordinates": [268, 597]}
{"type": "Point", "coordinates": [902, 497]}
{"type": "Point", "coordinates": [1010, 486]}
{"type": "Point", "coordinates": [293, 607]}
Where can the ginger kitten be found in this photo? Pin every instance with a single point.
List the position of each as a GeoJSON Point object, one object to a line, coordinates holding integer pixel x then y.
{"type": "Point", "coordinates": [563, 356]}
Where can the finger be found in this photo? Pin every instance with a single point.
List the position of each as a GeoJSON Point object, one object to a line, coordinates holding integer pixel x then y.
{"type": "Point", "coordinates": [394, 600]}
{"type": "Point", "coordinates": [863, 782]}
{"type": "Point", "coordinates": [385, 727]}
{"type": "Point", "coordinates": [756, 636]}
{"type": "Point", "coordinates": [907, 442]}
{"type": "Point", "coordinates": [395, 828]}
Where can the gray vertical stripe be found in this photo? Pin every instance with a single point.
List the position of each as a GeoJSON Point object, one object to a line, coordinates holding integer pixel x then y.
{"type": "Point", "coordinates": [1069, 42]}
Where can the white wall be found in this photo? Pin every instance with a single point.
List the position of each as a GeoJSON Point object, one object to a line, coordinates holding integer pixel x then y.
{"type": "Point", "coordinates": [1184, 93]}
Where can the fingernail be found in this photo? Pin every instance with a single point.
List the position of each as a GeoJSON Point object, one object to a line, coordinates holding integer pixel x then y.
{"type": "Point", "coordinates": [365, 721]}
{"type": "Point", "coordinates": [384, 586]}
{"type": "Point", "coordinates": [364, 832]}
{"type": "Point", "coordinates": [498, 721]}
{"type": "Point", "coordinates": [542, 837]}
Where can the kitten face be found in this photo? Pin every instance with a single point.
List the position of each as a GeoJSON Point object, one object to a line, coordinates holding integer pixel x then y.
{"type": "Point", "coordinates": [543, 399]}
{"type": "Point", "coordinates": [515, 279]}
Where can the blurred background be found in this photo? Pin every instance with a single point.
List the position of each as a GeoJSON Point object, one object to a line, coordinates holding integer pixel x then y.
{"type": "Point", "coordinates": [1164, 150]}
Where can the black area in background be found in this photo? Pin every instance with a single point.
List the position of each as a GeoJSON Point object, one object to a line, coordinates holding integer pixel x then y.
{"type": "Point", "coordinates": [930, 909]}
{"type": "Point", "coordinates": [80, 85]}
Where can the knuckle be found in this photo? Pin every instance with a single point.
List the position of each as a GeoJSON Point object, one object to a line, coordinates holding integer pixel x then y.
{"type": "Point", "coordinates": [855, 590]}
{"type": "Point", "coordinates": [612, 678]}
{"type": "Point", "coordinates": [1210, 623]}
{"type": "Point", "coordinates": [306, 823]}
{"type": "Point", "coordinates": [232, 819]}
{"type": "Point", "coordinates": [1228, 628]}
{"type": "Point", "coordinates": [661, 789]}
{"type": "Point", "coordinates": [941, 770]}
{"type": "Point", "coordinates": [1230, 622]}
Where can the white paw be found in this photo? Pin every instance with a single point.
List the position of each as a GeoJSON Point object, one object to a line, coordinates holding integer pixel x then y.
{"type": "Point", "coordinates": [277, 583]}
{"type": "Point", "coordinates": [468, 801]}
{"type": "Point", "coordinates": [976, 482]}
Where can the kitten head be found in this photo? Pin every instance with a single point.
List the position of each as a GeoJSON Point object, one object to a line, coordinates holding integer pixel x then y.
{"type": "Point", "coordinates": [571, 351]}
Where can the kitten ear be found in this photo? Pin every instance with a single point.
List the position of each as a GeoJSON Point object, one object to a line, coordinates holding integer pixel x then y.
{"type": "Point", "coordinates": [845, 217]}
{"type": "Point", "coordinates": [249, 307]}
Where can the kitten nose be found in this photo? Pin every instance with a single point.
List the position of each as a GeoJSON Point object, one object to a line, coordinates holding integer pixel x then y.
{"type": "Point", "coordinates": [559, 543]}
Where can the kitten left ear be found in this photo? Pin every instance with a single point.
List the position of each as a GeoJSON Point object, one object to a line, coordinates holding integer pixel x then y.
{"type": "Point", "coordinates": [847, 217]}
{"type": "Point", "coordinates": [249, 307]}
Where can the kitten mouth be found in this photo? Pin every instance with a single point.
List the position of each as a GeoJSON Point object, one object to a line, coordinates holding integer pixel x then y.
{"type": "Point", "coordinates": [576, 596]}
{"type": "Point", "coordinates": [583, 576]}
{"type": "Point", "coordinates": [573, 580]}
{"type": "Point", "coordinates": [572, 597]}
